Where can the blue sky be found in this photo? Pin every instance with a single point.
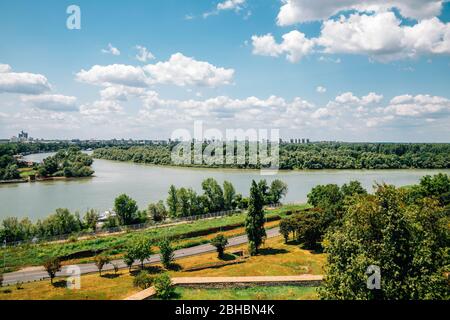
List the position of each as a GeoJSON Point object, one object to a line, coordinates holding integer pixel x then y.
{"type": "Point", "coordinates": [352, 72]}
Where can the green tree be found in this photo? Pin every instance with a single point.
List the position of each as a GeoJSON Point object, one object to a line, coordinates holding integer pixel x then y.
{"type": "Point", "coordinates": [52, 266]}
{"type": "Point", "coordinates": [126, 209]}
{"type": "Point", "coordinates": [166, 253]}
{"type": "Point", "coordinates": [140, 249]}
{"type": "Point", "coordinates": [229, 194]}
{"type": "Point", "coordinates": [264, 190]}
{"type": "Point", "coordinates": [128, 259]}
{"type": "Point", "coordinates": [352, 188]}
{"type": "Point", "coordinates": [254, 222]}
{"type": "Point", "coordinates": [163, 286]}
{"type": "Point", "coordinates": [91, 219]}
{"type": "Point", "coordinates": [220, 242]}
{"type": "Point", "coordinates": [172, 201]}
{"type": "Point", "coordinates": [278, 190]}
{"type": "Point", "coordinates": [409, 243]}
{"type": "Point", "coordinates": [157, 212]}
{"type": "Point", "coordinates": [184, 206]}
{"type": "Point", "coordinates": [213, 194]}
{"type": "Point", "coordinates": [100, 261]}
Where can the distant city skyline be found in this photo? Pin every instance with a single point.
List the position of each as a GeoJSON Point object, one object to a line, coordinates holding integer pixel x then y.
{"type": "Point", "coordinates": [327, 71]}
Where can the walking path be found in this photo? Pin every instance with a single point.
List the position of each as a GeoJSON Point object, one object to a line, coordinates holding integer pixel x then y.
{"type": "Point", "coordinates": [305, 280]}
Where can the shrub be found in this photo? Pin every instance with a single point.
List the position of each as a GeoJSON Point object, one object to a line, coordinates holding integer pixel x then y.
{"type": "Point", "coordinates": [143, 280]}
{"type": "Point", "coordinates": [100, 262]}
{"type": "Point", "coordinates": [52, 266]}
{"type": "Point", "coordinates": [163, 286]}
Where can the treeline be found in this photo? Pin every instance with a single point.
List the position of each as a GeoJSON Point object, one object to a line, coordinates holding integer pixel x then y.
{"type": "Point", "coordinates": [181, 202]}
{"type": "Point", "coordinates": [402, 231]}
{"type": "Point", "coordinates": [312, 156]}
{"type": "Point", "coordinates": [69, 162]}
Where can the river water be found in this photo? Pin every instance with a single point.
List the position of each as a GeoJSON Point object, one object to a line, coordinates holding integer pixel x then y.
{"type": "Point", "coordinates": [147, 184]}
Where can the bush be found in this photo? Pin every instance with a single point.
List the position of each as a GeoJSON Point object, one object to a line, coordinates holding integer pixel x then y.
{"type": "Point", "coordinates": [143, 280]}
{"type": "Point", "coordinates": [163, 286]}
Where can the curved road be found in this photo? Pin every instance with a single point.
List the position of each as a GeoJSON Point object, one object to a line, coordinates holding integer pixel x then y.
{"type": "Point", "coordinates": [41, 274]}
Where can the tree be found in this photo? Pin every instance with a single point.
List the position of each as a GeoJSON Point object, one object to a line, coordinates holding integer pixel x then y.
{"type": "Point", "coordinates": [1, 280]}
{"type": "Point", "coordinates": [353, 188]}
{"type": "Point", "coordinates": [172, 201]}
{"type": "Point", "coordinates": [166, 253]}
{"type": "Point", "coordinates": [91, 219]}
{"type": "Point", "coordinates": [126, 209]}
{"type": "Point", "coordinates": [128, 259]}
{"type": "Point", "coordinates": [278, 190]}
{"type": "Point", "coordinates": [52, 266]}
{"type": "Point", "coordinates": [140, 249]}
{"type": "Point", "coordinates": [100, 261]}
{"type": "Point", "coordinates": [229, 194]}
{"type": "Point", "coordinates": [184, 208]}
{"type": "Point", "coordinates": [163, 286]}
{"type": "Point", "coordinates": [213, 194]}
{"type": "Point", "coordinates": [220, 242]}
{"type": "Point", "coordinates": [157, 212]}
{"type": "Point", "coordinates": [254, 222]}
{"type": "Point", "coordinates": [408, 242]}
{"type": "Point", "coordinates": [309, 228]}
{"type": "Point", "coordinates": [116, 268]}
{"type": "Point", "coordinates": [264, 190]}
{"type": "Point", "coordinates": [285, 228]}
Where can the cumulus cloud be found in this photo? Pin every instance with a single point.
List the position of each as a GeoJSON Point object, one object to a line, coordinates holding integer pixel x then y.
{"type": "Point", "coordinates": [182, 71]}
{"type": "Point", "coordinates": [299, 11]}
{"type": "Point", "coordinates": [111, 50]}
{"type": "Point", "coordinates": [230, 5]}
{"type": "Point", "coordinates": [321, 89]}
{"type": "Point", "coordinates": [115, 74]}
{"type": "Point", "coordinates": [101, 107]}
{"type": "Point", "coordinates": [53, 102]}
{"type": "Point", "coordinates": [23, 82]}
{"type": "Point", "coordinates": [419, 105]}
{"type": "Point", "coordinates": [295, 45]}
{"type": "Point", "coordinates": [144, 54]}
{"type": "Point", "coordinates": [380, 36]}
{"type": "Point", "coordinates": [5, 68]}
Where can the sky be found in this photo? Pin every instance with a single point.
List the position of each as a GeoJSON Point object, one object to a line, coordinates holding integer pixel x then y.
{"type": "Point", "coordinates": [330, 70]}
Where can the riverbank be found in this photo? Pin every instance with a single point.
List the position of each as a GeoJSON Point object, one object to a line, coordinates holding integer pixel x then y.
{"type": "Point", "coordinates": [31, 180]}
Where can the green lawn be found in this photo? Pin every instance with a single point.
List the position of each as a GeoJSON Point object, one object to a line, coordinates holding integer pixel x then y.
{"type": "Point", "coordinates": [250, 293]}
{"type": "Point", "coordinates": [33, 255]}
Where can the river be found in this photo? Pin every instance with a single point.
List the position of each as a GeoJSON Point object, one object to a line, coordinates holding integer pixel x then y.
{"type": "Point", "coordinates": [147, 184]}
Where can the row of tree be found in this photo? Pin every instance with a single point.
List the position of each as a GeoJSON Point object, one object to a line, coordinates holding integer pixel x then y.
{"type": "Point", "coordinates": [181, 202]}
{"type": "Point", "coordinates": [325, 155]}
{"type": "Point", "coordinates": [69, 162]}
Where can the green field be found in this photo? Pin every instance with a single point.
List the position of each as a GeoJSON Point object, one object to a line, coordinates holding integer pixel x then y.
{"type": "Point", "coordinates": [250, 293]}
{"type": "Point", "coordinates": [34, 255]}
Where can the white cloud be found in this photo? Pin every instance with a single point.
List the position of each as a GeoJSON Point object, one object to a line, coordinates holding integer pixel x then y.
{"type": "Point", "coordinates": [111, 50]}
{"type": "Point", "coordinates": [383, 38]}
{"type": "Point", "coordinates": [115, 74]}
{"type": "Point", "coordinates": [120, 93]}
{"type": "Point", "coordinates": [321, 89]}
{"type": "Point", "coordinates": [4, 68]}
{"type": "Point", "coordinates": [419, 105]}
{"type": "Point", "coordinates": [230, 5]}
{"type": "Point", "coordinates": [181, 71]}
{"type": "Point", "coordinates": [101, 107]}
{"type": "Point", "coordinates": [299, 11]}
{"type": "Point", "coordinates": [143, 54]}
{"type": "Point", "coordinates": [380, 36]}
{"type": "Point", "coordinates": [53, 102]}
{"type": "Point", "coordinates": [23, 82]}
{"type": "Point", "coordinates": [294, 45]}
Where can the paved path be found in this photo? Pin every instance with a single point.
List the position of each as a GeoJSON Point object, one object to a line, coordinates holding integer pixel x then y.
{"type": "Point", "coordinates": [41, 274]}
{"type": "Point", "coordinates": [305, 279]}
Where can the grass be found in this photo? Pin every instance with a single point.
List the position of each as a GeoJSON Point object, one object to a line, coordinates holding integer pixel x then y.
{"type": "Point", "coordinates": [276, 259]}
{"type": "Point", "coordinates": [35, 255]}
{"type": "Point", "coordinates": [26, 172]}
{"type": "Point", "coordinates": [250, 293]}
